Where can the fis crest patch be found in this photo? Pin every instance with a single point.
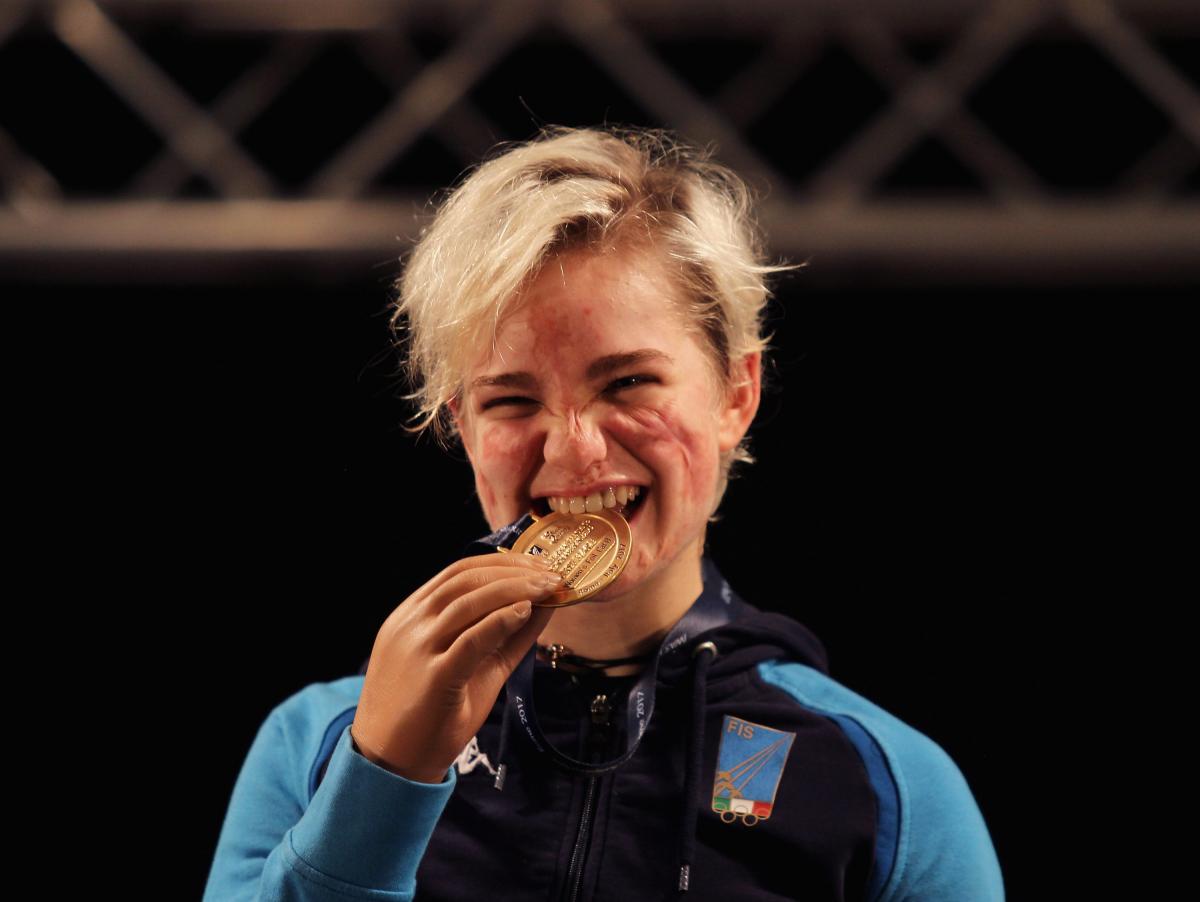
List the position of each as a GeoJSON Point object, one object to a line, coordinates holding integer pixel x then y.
{"type": "Point", "coordinates": [750, 761]}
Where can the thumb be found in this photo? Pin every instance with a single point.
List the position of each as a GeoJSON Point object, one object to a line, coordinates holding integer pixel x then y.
{"type": "Point", "coordinates": [512, 651]}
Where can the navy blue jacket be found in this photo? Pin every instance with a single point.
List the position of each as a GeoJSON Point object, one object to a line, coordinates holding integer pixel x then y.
{"type": "Point", "coordinates": [759, 777]}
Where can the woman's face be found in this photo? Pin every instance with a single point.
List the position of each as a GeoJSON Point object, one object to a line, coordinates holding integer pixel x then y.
{"type": "Point", "coordinates": [595, 383]}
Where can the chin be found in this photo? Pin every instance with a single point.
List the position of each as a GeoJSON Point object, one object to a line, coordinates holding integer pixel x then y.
{"type": "Point", "coordinates": [633, 577]}
{"type": "Point", "coordinates": [628, 581]}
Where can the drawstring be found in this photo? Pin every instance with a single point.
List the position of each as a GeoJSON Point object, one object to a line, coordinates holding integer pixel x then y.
{"type": "Point", "coordinates": [691, 783]}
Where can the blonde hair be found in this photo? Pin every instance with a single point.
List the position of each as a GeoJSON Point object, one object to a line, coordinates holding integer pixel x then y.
{"type": "Point", "coordinates": [567, 189]}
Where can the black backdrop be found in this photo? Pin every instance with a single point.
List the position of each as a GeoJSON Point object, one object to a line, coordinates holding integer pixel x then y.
{"type": "Point", "coordinates": [232, 510]}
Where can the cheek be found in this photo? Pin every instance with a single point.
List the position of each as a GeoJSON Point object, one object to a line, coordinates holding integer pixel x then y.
{"type": "Point", "coordinates": [503, 459]}
{"type": "Point", "coordinates": [662, 435]}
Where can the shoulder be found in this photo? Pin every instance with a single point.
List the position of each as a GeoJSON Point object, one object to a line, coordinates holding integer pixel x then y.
{"type": "Point", "coordinates": [901, 743]}
{"type": "Point", "coordinates": [932, 843]}
{"type": "Point", "coordinates": [308, 723]}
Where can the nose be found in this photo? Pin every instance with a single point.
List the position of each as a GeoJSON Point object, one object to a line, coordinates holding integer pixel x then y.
{"type": "Point", "coordinates": [575, 444]}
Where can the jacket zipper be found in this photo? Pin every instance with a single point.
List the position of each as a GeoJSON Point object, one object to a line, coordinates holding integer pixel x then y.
{"type": "Point", "coordinates": [601, 709]}
{"type": "Point", "coordinates": [575, 873]}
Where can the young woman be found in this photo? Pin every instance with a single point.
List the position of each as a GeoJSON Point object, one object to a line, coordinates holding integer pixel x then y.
{"type": "Point", "coordinates": [584, 316]}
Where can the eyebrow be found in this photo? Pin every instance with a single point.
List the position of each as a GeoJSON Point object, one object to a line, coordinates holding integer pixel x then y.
{"type": "Point", "coordinates": [601, 366]}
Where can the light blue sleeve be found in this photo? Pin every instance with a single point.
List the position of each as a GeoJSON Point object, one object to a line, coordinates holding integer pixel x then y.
{"type": "Point", "coordinates": [361, 835]}
{"type": "Point", "coordinates": [932, 844]}
{"type": "Point", "coordinates": [946, 852]}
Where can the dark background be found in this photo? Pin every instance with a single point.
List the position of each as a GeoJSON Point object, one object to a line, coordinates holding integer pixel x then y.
{"type": "Point", "coordinates": [218, 505]}
{"type": "Point", "coordinates": [964, 531]}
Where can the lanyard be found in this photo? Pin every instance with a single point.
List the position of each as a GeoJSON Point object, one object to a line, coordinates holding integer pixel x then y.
{"type": "Point", "coordinates": [714, 607]}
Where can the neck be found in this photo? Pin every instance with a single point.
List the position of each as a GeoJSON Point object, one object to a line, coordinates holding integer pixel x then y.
{"type": "Point", "coordinates": [633, 623]}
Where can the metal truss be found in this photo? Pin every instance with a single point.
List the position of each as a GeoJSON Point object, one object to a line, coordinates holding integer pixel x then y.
{"type": "Point", "coordinates": [341, 222]}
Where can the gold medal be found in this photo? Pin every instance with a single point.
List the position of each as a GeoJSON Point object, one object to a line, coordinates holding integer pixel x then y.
{"type": "Point", "coordinates": [587, 550]}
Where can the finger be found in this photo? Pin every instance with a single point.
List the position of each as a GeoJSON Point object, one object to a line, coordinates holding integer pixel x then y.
{"type": "Point", "coordinates": [482, 640]}
{"type": "Point", "coordinates": [466, 564]}
{"type": "Point", "coordinates": [504, 589]}
{"type": "Point", "coordinates": [475, 579]}
{"type": "Point", "coordinates": [495, 669]}
{"type": "Point", "coordinates": [491, 559]}
{"type": "Point", "coordinates": [513, 649]}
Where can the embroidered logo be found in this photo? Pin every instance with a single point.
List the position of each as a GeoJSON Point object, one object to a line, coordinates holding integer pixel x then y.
{"type": "Point", "coordinates": [750, 761]}
{"type": "Point", "coordinates": [470, 758]}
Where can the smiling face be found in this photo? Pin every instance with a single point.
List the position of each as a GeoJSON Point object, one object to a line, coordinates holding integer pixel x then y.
{"type": "Point", "coordinates": [594, 382]}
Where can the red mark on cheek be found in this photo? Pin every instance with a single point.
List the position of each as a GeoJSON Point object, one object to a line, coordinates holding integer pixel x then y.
{"type": "Point", "coordinates": [656, 423]}
{"type": "Point", "coordinates": [501, 444]}
{"type": "Point", "coordinates": [662, 432]}
{"type": "Point", "coordinates": [503, 464]}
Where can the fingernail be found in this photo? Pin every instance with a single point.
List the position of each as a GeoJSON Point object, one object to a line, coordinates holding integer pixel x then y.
{"type": "Point", "coordinates": [522, 608]}
{"type": "Point", "coordinates": [550, 580]}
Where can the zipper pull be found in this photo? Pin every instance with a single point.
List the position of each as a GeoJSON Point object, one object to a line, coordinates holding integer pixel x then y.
{"type": "Point", "coordinates": [601, 709]}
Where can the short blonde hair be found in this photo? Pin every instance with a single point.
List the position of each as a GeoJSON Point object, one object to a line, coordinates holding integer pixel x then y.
{"type": "Point", "coordinates": [566, 189]}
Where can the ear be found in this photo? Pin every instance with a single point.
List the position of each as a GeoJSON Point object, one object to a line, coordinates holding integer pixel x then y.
{"type": "Point", "coordinates": [741, 403]}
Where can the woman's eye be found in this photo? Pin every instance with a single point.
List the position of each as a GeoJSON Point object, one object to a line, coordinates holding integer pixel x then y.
{"type": "Point", "coordinates": [630, 382]}
{"type": "Point", "coordinates": [615, 386]}
{"type": "Point", "coordinates": [497, 402]}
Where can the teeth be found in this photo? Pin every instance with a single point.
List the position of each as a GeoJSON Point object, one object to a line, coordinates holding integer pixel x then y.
{"type": "Point", "coordinates": [611, 497]}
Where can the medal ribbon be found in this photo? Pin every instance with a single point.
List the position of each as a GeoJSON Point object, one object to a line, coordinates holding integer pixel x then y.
{"type": "Point", "coordinates": [713, 608]}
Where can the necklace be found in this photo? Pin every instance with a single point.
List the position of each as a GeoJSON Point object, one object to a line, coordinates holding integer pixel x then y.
{"type": "Point", "coordinates": [559, 654]}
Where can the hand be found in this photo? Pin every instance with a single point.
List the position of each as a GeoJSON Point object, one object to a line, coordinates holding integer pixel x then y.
{"type": "Point", "coordinates": [441, 658]}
